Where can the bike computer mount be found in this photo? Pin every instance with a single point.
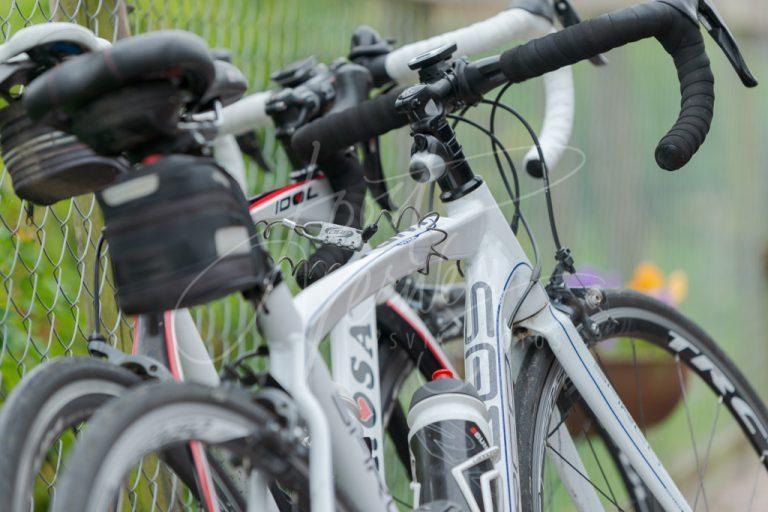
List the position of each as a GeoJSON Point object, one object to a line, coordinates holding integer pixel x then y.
{"type": "Point", "coordinates": [296, 73]}
{"type": "Point", "coordinates": [433, 64]}
{"type": "Point", "coordinates": [436, 154]}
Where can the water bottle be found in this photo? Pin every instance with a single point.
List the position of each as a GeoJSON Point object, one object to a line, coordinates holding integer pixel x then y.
{"type": "Point", "coordinates": [450, 443]}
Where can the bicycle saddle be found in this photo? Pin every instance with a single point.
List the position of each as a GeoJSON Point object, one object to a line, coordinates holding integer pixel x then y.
{"type": "Point", "coordinates": [32, 50]}
{"type": "Point", "coordinates": [229, 84]}
{"type": "Point", "coordinates": [173, 56]}
{"type": "Point", "coordinates": [54, 39]}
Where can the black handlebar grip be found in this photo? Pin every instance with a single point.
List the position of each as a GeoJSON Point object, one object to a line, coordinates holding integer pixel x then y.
{"type": "Point", "coordinates": [346, 176]}
{"type": "Point", "coordinates": [339, 130]}
{"type": "Point", "coordinates": [679, 36]}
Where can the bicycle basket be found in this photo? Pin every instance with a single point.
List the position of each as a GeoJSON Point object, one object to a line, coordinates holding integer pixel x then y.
{"type": "Point", "coordinates": [180, 234]}
{"type": "Point", "coordinates": [47, 165]}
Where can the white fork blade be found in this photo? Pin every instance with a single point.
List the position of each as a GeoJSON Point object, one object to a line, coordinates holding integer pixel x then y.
{"type": "Point", "coordinates": [593, 386]}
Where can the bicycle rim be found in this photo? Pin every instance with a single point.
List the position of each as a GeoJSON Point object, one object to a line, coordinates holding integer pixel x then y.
{"type": "Point", "coordinates": [698, 412]}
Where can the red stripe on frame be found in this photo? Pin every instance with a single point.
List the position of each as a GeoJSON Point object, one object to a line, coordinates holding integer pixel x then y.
{"type": "Point", "coordinates": [172, 346]}
{"type": "Point", "coordinates": [198, 455]}
{"type": "Point", "coordinates": [201, 466]}
{"type": "Point", "coordinates": [426, 339]}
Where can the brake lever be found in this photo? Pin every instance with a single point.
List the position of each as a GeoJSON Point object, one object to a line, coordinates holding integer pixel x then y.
{"type": "Point", "coordinates": [715, 25]}
{"type": "Point", "coordinates": [568, 16]}
{"type": "Point", "coordinates": [705, 13]}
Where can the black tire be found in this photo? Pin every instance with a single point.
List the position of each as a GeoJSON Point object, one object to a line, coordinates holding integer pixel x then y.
{"type": "Point", "coordinates": [626, 315]}
{"type": "Point", "coordinates": [48, 401]}
{"type": "Point", "coordinates": [395, 365]}
{"type": "Point", "coordinates": [155, 417]}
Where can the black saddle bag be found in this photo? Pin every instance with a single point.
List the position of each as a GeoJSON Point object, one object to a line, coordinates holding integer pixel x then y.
{"type": "Point", "coordinates": [179, 235]}
{"type": "Point", "coordinates": [47, 165]}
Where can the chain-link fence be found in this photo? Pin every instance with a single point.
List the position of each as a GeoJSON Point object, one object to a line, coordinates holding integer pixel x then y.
{"type": "Point", "coordinates": [615, 212]}
{"type": "Point", "coordinates": [48, 254]}
{"type": "Point", "coordinates": [46, 288]}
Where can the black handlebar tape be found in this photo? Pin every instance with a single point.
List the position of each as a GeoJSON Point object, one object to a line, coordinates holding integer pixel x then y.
{"type": "Point", "coordinates": [679, 36]}
{"type": "Point", "coordinates": [377, 66]}
{"type": "Point", "coordinates": [337, 131]}
{"type": "Point", "coordinates": [345, 175]}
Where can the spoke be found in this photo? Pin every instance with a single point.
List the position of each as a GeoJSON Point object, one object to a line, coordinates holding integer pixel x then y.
{"type": "Point", "coordinates": [638, 387]}
{"type": "Point", "coordinates": [594, 454]}
{"type": "Point", "coordinates": [760, 463]}
{"type": "Point", "coordinates": [585, 477]}
{"type": "Point", "coordinates": [690, 430]}
{"type": "Point", "coordinates": [563, 418]}
{"type": "Point", "coordinates": [402, 502]}
{"type": "Point", "coordinates": [700, 489]}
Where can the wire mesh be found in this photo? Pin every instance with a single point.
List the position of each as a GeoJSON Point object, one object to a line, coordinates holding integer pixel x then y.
{"type": "Point", "coordinates": [46, 289]}
{"type": "Point", "coordinates": [48, 254]}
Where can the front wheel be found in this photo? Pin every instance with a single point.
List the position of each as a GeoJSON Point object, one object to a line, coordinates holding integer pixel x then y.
{"type": "Point", "coordinates": [152, 419]}
{"type": "Point", "coordinates": [698, 412]}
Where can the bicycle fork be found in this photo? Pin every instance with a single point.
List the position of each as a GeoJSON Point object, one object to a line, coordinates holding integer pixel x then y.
{"type": "Point", "coordinates": [593, 386]}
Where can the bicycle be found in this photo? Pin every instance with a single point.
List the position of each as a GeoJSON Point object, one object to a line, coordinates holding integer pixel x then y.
{"type": "Point", "coordinates": [161, 339]}
{"type": "Point", "coordinates": [508, 308]}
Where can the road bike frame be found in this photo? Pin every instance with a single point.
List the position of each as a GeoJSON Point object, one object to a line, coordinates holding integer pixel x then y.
{"type": "Point", "coordinates": [497, 274]}
{"type": "Point", "coordinates": [172, 338]}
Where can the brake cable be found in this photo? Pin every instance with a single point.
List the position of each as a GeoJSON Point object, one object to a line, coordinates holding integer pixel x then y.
{"type": "Point", "coordinates": [96, 334]}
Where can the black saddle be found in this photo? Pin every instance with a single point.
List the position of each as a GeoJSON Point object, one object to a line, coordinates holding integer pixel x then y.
{"type": "Point", "coordinates": [181, 58]}
{"type": "Point", "coordinates": [229, 84]}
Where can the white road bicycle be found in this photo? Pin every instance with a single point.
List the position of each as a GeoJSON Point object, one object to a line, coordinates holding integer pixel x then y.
{"type": "Point", "coordinates": [63, 394]}
{"type": "Point", "coordinates": [516, 330]}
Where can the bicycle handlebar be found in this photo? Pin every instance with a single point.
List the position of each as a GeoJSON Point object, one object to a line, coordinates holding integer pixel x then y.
{"type": "Point", "coordinates": [324, 137]}
{"type": "Point", "coordinates": [496, 32]}
{"type": "Point", "coordinates": [680, 37]}
{"type": "Point", "coordinates": [520, 22]}
{"type": "Point", "coordinates": [516, 23]}
{"type": "Point", "coordinates": [246, 114]}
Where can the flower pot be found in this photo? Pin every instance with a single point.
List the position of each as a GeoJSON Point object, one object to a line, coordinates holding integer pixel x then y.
{"type": "Point", "coordinates": [650, 389]}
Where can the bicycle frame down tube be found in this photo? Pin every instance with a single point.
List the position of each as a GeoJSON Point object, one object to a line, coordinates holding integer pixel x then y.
{"type": "Point", "coordinates": [497, 275]}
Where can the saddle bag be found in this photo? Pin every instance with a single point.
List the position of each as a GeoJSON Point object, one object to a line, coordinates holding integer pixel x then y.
{"type": "Point", "coordinates": [137, 118]}
{"type": "Point", "coordinates": [47, 165]}
{"type": "Point", "coordinates": [180, 235]}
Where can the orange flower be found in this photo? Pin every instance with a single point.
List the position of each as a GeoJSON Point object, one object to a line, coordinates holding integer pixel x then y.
{"type": "Point", "coordinates": [677, 286]}
{"type": "Point", "coordinates": [647, 278]}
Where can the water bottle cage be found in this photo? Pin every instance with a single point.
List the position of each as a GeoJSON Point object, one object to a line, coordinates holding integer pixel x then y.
{"type": "Point", "coordinates": [486, 480]}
